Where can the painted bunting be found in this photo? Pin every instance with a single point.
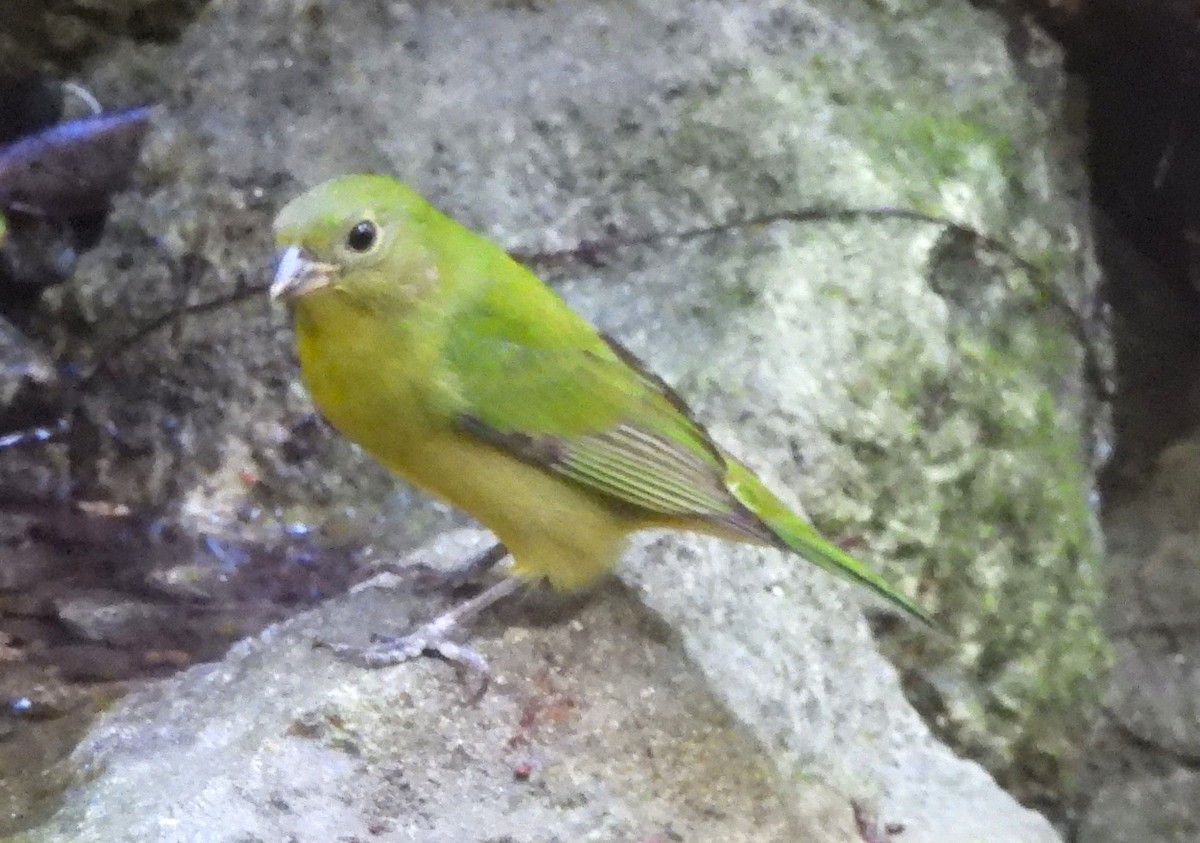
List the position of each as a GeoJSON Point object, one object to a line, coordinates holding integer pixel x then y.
{"type": "Point", "coordinates": [459, 370]}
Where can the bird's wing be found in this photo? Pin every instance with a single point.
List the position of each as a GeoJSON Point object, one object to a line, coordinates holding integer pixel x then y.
{"type": "Point", "coordinates": [583, 408]}
{"type": "Point", "coordinates": [577, 404]}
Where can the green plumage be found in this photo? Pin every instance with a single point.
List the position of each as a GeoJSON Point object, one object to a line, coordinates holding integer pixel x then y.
{"type": "Point", "coordinates": [456, 366]}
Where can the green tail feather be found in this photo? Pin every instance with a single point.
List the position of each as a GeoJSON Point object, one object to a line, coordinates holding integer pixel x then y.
{"type": "Point", "coordinates": [800, 536]}
{"type": "Point", "coordinates": [818, 550]}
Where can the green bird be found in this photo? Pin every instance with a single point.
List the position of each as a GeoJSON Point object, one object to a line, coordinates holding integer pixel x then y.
{"type": "Point", "coordinates": [462, 372]}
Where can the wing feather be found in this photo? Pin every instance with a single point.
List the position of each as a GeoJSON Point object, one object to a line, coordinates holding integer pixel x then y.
{"type": "Point", "coordinates": [583, 407]}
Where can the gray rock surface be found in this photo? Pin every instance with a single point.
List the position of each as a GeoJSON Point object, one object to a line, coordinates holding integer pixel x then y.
{"type": "Point", "coordinates": [620, 737]}
{"type": "Point", "coordinates": [62, 33]}
{"type": "Point", "coordinates": [907, 380]}
{"type": "Point", "coordinates": [1145, 809]}
{"type": "Point", "coordinates": [619, 732]}
{"type": "Point", "coordinates": [1143, 782]}
{"type": "Point", "coordinates": [27, 375]}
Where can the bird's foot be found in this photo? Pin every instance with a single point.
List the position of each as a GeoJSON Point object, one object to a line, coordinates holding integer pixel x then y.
{"type": "Point", "coordinates": [432, 638]}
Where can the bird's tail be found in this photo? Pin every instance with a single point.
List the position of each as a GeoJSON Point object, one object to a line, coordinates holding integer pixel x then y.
{"type": "Point", "coordinates": [792, 532]}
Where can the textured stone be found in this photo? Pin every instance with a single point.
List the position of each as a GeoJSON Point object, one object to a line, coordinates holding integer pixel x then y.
{"type": "Point", "coordinates": [1145, 809]}
{"type": "Point", "coordinates": [916, 384]}
{"type": "Point", "coordinates": [618, 734]}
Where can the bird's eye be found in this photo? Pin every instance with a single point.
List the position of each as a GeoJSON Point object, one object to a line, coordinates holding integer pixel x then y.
{"type": "Point", "coordinates": [362, 237]}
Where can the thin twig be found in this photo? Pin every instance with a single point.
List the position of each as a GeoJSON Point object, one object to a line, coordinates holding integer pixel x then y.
{"type": "Point", "coordinates": [58, 427]}
{"type": "Point", "coordinates": [589, 251]}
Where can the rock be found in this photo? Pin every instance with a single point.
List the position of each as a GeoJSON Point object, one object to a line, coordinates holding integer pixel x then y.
{"type": "Point", "coordinates": [65, 32]}
{"type": "Point", "coordinates": [919, 384]}
{"type": "Point", "coordinates": [596, 728]}
{"type": "Point", "coordinates": [599, 699]}
{"type": "Point", "coordinates": [1156, 690]}
{"type": "Point", "coordinates": [1145, 809]}
{"type": "Point", "coordinates": [36, 252]}
{"type": "Point", "coordinates": [108, 617]}
{"type": "Point", "coordinates": [1141, 782]}
{"type": "Point", "coordinates": [28, 378]}
{"type": "Point", "coordinates": [89, 662]}
{"type": "Point", "coordinates": [25, 566]}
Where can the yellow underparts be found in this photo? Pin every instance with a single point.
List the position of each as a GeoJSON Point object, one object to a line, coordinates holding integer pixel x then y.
{"type": "Point", "coordinates": [554, 529]}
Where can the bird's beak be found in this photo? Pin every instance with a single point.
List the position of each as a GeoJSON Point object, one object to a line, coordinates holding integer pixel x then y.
{"type": "Point", "coordinates": [297, 274]}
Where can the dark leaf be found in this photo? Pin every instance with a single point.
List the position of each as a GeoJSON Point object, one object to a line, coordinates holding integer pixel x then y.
{"type": "Point", "coordinates": [73, 168]}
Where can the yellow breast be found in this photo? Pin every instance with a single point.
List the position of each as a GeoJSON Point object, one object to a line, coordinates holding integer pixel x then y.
{"type": "Point", "coordinates": [379, 388]}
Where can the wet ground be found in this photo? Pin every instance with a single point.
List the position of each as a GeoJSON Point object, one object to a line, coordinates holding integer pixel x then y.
{"type": "Point", "coordinates": [96, 600]}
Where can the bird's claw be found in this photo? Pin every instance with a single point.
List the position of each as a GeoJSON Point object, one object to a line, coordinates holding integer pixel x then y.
{"type": "Point", "coordinates": [433, 638]}
{"type": "Point", "coordinates": [427, 640]}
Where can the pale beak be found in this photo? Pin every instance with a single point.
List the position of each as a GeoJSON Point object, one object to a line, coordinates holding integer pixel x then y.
{"type": "Point", "coordinates": [297, 274]}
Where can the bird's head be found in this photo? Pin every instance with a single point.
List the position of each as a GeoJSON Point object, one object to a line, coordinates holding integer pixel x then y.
{"type": "Point", "coordinates": [357, 235]}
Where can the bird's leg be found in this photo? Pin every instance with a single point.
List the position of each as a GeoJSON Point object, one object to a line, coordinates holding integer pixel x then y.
{"type": "Point", "coordinates": [430, 579]}
{"type": "Point", "coordinates": [433, 637]}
